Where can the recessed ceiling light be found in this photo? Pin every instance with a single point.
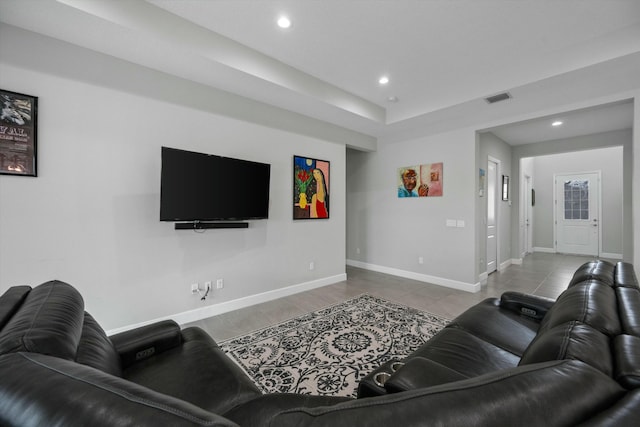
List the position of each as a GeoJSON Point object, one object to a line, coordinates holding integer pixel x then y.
{"type": "Point", "coordinates": [284, 22]}
{"type": "Point", "coordinates": [556, 123]}
{"type": "Point", "coordinates": [383, 80]}
{"type": "Point", "coordinates": [392, 99]}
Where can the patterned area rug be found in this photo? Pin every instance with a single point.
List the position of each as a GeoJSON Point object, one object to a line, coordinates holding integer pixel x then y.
{"type": "Point", "coordinates": [327, 352]}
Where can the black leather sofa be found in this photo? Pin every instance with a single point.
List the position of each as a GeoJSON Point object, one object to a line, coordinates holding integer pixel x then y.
{"type": "Point", "coordinates": [513, 360]}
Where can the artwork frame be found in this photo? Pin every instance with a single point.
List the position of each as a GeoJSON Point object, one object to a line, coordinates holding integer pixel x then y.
{"type": "Point", "coordinates": [311, 188]}
{"type": "Point", "coordinates": [18, 134]}
{"type": "Point", "coordinates": [482, 179]}
{"type": "Point", "coordinates": [505, 188]}
{"type": "Point", "coordinates": [425, 180]}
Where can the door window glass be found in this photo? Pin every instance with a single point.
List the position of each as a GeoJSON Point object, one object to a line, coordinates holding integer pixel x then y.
{"type": "Point", "coordinates": [576, 199]}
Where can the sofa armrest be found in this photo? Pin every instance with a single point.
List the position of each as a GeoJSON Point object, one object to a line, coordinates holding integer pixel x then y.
{"type": "Point", "coordinates": [143, 342]}
{"type": "Point", "coordinates": [419, 372]}
{"type": "Point", "coordinates": [528, 305]}
{"type": "Point", "coordinates": [39, 390]}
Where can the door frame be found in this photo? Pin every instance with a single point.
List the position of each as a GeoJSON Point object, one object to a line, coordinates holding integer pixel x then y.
{"type": "Point", "coordinates": [527, 211]}
{"type": "Point", "coordinates": [598, 208]}
{"type": "Point", "coordinates": [497, 199]}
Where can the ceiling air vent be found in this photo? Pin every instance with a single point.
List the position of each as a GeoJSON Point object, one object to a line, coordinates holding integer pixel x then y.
{"type": "Point", "coordinates": [497, 98]}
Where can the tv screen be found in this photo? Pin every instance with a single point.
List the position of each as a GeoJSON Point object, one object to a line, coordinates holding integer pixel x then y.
{"type": "Point", "coordinates": [204, 187]}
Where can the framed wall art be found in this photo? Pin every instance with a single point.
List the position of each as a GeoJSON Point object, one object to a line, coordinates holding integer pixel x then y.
{"type": "Point", "coordinates": [18, 134]}
{"type": "Point", "coordinates": [311, 188]}
{"type": "Point", "coordinates": [420, 180]}
{"type": "Point", "coordinates": [505, 188]}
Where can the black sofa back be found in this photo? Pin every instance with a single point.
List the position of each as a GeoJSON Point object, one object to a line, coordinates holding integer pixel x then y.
{"type": "Point", "coordinates": [50, 319]}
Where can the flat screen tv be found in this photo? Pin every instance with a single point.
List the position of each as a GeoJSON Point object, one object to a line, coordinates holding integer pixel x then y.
{"type": "Point", "coordinates": [198, 187]}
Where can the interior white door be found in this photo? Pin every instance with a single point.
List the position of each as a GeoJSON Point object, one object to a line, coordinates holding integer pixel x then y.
{"type": "Point", "coordinates": [528, 216]}
{"type": "Point", "coordinates": [577, 213]}
{"type": "Point", "coordinates": [492, 190]}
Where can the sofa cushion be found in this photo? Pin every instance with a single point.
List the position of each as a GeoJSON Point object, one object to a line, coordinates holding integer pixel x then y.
{"type": "Point", "coordinates": [95, 348]}
{"type": "Point", "coordinates": [599, 270]}
{"type": "Point", "coordinates": [572, 340]}
{"type": "Point", "coordinates": [48, 322]}
{"type": "Point", "coordinates": [590, 302]}
{"type": "Point", "coordinates": [198, 372]}
{"type": "Point", "coordinates": [503, 328]}
{"type": "Point", "coordinates": [465, 353]}
{"type": "Point", "coordinates": [627, 358]}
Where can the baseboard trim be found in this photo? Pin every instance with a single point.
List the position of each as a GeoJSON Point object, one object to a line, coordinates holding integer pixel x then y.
{"type": "Point", "coordinates": [545, 250]}
{"type": "Point", "coordinates": [611, 255]}
{"type": "Point", "coordinates": [244, 302]}
{"type": "Point", "coordinates": [454, 284]}
{"type": "Point", "coordinates": [503, 265]}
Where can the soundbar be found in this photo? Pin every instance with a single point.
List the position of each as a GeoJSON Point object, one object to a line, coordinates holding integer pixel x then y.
{"type": "Point", "coordinates": [197, 225]}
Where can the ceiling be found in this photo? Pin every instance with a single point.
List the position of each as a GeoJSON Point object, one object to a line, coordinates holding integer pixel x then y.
{"type": "Point", "coordinates": [442, 57]}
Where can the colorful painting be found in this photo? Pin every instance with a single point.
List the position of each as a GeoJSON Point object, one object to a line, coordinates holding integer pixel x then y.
{"type": "Point", "coordinates": [310, 188]}
{"type": "Point", "coordinates": [420, 180]}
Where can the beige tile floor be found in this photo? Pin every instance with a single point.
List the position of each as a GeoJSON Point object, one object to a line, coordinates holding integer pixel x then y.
{"type": "Point", "coordinates": [540, 274]}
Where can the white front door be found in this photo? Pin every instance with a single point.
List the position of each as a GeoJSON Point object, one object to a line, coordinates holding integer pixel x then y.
{"type": "Point", "coordinates": [577, 213]}
{"type": "Point", "coordinates": [492, 191]}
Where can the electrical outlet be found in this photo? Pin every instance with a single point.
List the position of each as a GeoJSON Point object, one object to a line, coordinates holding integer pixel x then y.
{"type": "Point", "coordinates": [219, 284]}
{"type": "Point", "coordinates": [207, 285]}
{"type": "Point", "coordinates": [312, 265]}
{"type": "Point", "coordinates": [194, 288]}
{"type": "Point", "coordinates": [420, 260]}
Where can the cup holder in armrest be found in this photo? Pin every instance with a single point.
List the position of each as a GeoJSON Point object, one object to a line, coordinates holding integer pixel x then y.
{"type": "Point", "coordinates": [380, 378]}
{"type": "Point", "coordinates": [396, 365]}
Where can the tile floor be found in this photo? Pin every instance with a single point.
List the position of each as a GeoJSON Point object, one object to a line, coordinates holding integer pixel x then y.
{"type": "Point", "coordinates": [540, 274]}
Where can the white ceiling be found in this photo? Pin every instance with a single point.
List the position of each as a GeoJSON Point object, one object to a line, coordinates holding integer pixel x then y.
{"type": "Point", "coordinates": [442, 56]}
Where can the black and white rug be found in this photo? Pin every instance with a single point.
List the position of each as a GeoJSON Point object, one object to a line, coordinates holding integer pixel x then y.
{"type": "Point", "coordinates": [328, 351]}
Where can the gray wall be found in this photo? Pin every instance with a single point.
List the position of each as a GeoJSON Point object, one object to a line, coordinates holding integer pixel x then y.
{"type": "Point", "coordinates": [605, 160]}
{"type": "Point", "coordinates": [91, 217]}
{"type": "Point", "coordinates": [390, 234]}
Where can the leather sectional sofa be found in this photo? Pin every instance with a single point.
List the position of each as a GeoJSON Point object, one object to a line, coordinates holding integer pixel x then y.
{"type": "Point", "coordinates": [514, 360]}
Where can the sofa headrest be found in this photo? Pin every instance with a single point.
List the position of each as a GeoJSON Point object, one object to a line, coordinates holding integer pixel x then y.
{"type": "Point", "coordinates": [629, 309]}
{"type": "Point", "coordinates": [11, 301]}
{"type": "Point", "coordinates": [590, 302]}
{"type": "Point", "coordinates": [595, 270]}
{"type": "Point", "coordinates": [49, 321]}
{"type": "Point", "coordinates": [571, 340]}
{"type": "Point", "coordinates": [625, 276]}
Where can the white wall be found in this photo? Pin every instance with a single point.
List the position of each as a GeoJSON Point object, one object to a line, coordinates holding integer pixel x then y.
{"type": "Point", "coordinates": [391, 233]}
{"type": "Point", "coordinates": [606, 160]}
{"type": "Point", "coordinates": [91, 216]}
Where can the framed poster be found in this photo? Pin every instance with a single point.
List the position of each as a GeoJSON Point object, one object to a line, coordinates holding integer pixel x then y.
{"type": "Point", "coordinates": [310, 188]}
{"type": "Point", "coordinates": [18, 134]}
